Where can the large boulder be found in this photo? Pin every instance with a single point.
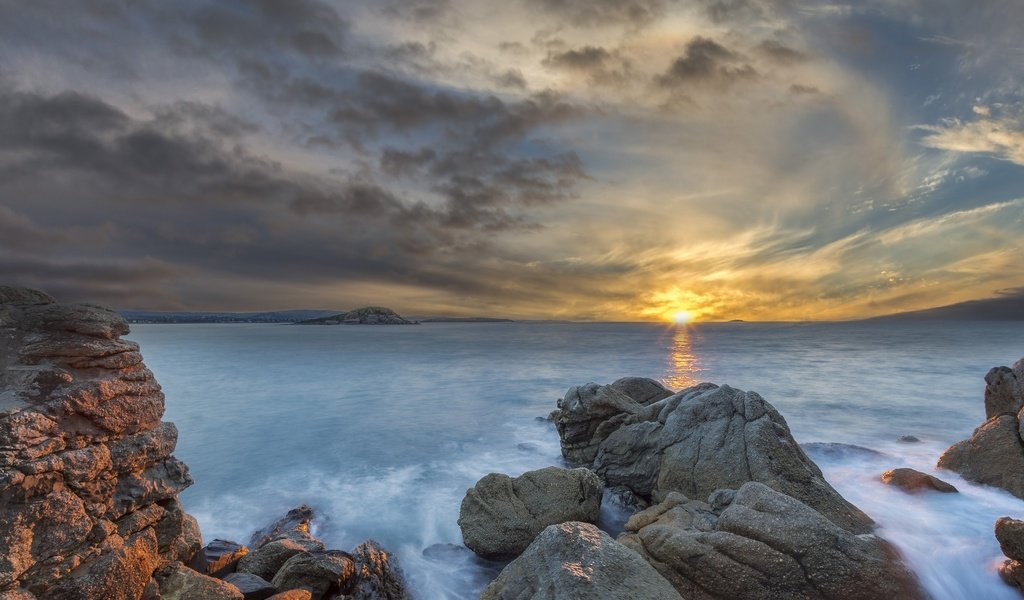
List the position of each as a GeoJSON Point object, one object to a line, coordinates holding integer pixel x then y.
{"type": "Point", "coordinates": [294, 525]}
{"type": "Point", "coordinates": [501, 515]}
{"type": "Point", "coordinates": [757, 543]}
{"type": "Point", "coordinates": [218, 558]}
{"type": "Point", "coordinates": [318, 572]}
{"type": "Point", "coordinates": [1010, 534]}
{"type": "Point", "coordinates": [88, 480]}
{"type": "Point", "coordinates": [698, 440]}
{"type": "Point", "coordinates": [578, 561]}
{"type": "Point", "coordinates": [267, 560]}
{"type": "Point", "coordinates": [994, 454]}
{"type": "Point", "coordinates": [252, 586]}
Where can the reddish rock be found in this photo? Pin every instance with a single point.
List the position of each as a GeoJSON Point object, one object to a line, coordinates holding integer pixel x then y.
{"type": "Point", "coordinates": [913, 481]}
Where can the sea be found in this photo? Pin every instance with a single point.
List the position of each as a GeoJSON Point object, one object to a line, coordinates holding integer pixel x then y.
{"type": "Point", "coordinates": [383, 428]}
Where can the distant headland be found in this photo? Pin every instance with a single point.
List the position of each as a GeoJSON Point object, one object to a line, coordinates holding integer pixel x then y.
{"type": "Point", "coordinates": [368, 315]}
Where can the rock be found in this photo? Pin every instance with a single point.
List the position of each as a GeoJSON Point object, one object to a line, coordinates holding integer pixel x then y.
{"type": "Point", "coordinates": [1012, 572]}
{"type": "Point", "coordinates": [294, 526]}
{"type": "Point", "coordinates": [319, 572]}
{"type": "Point", "coordinates": [252, 586]}
{"type": "Point", "coordinates": [377, 574]}
{"type": "Point", "coordinates": [293, 595]}
{"type": "Point", "coordinates": [266, 560]}
{"type": "Point", "coordinates": [500, 515]}
{"type": "Point", "coordinates": [694, 442]}
{"type": "Point", "coordinates": [908, 439]}
{"type": "Point", "coordinates": [578, 561]}
{"type": "Point", "coordinates": [1010, 533]}
{"type": "Point", "coordinates": [837, 451]}
{"type": "Point", "coordinates": [765, 544]}
{"type": "Point", "coordinates": [913, 481]}
{"type": "Point", "coordinates": [993, 456]}
{"type": "Point", "coordinates": [178, 582]}
{"type": "Point", "coordinates": [16, 594]}
{"type": "Point", "coordinates": [86, 465]}
{"type": "Point", "coordinates": [218, 558]}
{"type": "Point", "coordinates": [641, 390]}
{"type": "Point", "coordinates": [1004, 390]}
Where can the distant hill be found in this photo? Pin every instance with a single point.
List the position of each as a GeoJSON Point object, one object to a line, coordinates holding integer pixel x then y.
{"type": "Point", "coordinates": [1009, 306]}
{"type": "Point", "coordinates": [278, 316]}
{"type": "Point", "coordinates": [369, 315]}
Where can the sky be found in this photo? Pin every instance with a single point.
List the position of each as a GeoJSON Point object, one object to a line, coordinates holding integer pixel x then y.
{"type": "Point", "coordinates": [582, 159]}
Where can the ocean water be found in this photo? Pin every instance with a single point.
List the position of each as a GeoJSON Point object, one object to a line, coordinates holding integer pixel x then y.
{"type": "Point", "coordinates": [382, 429]}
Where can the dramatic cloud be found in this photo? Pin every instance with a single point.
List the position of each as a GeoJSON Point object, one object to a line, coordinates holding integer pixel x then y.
{"type": "Point", "coordinates": [603, 159]}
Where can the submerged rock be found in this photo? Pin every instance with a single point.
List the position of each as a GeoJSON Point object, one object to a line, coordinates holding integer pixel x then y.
{"type": "Point", "coordinates": [759, 543]}
{"type": "Point", "coordinates": [912, 481]}
{"type": "Point", "coordinates": [694, 442]}
{"type": "Point", "coordinates": [500, 515]}
{"type": "Point", "coordinates": [88, 481]}
{"type": "Point", "coordinates": [578, 561]}
{"type": "Point", "coordinates": [908, 439]}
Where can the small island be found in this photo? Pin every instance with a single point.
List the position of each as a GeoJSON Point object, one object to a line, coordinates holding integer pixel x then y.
{"type": "Point", "coordinates": [368, 315]}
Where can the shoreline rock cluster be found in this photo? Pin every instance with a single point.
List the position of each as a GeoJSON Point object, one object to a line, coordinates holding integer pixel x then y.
{"type": "Point", "coordinates": [731, 507]}
{"type": "Point", "coordinates": [994, 455]}
{"type": "Point", "coordinates": [89, 484]}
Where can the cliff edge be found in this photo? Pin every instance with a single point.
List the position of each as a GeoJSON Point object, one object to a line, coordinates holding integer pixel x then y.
{"type": "Point", "coordinates": [88, 482]}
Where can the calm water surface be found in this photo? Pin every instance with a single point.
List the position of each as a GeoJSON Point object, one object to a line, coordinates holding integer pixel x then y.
{"type": "Point", "coordinates": [383, 428]}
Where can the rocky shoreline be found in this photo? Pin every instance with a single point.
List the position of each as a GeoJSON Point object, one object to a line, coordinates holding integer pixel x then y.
{"type": "Point", "coordinates": [724, 502]}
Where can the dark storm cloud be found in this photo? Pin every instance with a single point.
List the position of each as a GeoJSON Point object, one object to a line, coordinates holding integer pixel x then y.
{"type": "Point", "coordinates": [586, 58]}
{"type": "Point", "coordinates": [417, 10]}
{"type": "Point", "coordinates": [310, 28]}
{"type": "Point", "coordinates": [780, 53]}
{"type": "Point", "coordinates": [605, 12]}
{"type": "Point", "coordinates": [705, 61]}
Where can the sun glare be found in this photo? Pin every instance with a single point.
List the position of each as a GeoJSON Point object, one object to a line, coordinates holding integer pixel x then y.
{"type": "Point", "coordinates": [681, 317]}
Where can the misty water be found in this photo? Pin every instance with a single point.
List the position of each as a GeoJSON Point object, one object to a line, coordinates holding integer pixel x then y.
{"type": "Point", "coordinates": [382, 429]}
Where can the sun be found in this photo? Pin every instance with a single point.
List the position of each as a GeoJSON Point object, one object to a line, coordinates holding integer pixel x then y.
{"type": "Point", "coordinates": [681, 317]}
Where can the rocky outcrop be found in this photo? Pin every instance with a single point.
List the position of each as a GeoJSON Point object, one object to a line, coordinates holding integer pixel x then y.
{"type": "Point", "coordinates": [288, 556]}
{"type": "Point", "coordinates": [179, 582]}
{"type": "Point", "coordinates": [757, 543]}
{"type": "Point", "coordinates": [370, 315]}
{"type": "Point", "coordinates": [578, 561]}
{"type": "Point", "coordinates": [913, 481]}
{"type": "Point", "coordinates": [501, 515]}
{"type": "Point", "coordinates": [88, 482]}
{"type": "Point", "coordinates": [994, 454]}
{"type": "Point", "coordinates": [693, 442]}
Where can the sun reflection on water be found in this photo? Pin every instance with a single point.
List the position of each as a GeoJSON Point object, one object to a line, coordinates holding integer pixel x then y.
{"type": "Point", "coordinates": [683, 365]}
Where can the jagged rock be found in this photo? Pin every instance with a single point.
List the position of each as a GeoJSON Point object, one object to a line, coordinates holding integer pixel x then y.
{"type": "Point", "coordinates": [119, 573]}
{"type": "Point", "coordinates": [910, 480]}
{"type": "Point", "coordinates": [377, 574]}
{"type": "Point", "coordinates": [500, 515]}
{"type": "Point", "coordinates": [177, 533]}
{"type": "Point", "coordinates": [1012, 572]}
{"type": "Point", "coordinates": [252, 586]}
{"type": "Point", "coordinates": [764, 544]}
{"type": "Point", "coordinates": [86, 465]}
{"type": "Point", "coordinates": [294, 525]}
{"type": "Point", "coordinates": [578, 561]}
{"type": "Point", "coordinates": [1010, 533]}
{"type": "Point", "coordinates": [319, 572]}
{"type": "Point", "coordinates": [17, 595]}
{"type": "Point", "coordinates": [178, 582]}
{"type": "Point", "coordinates": [698, 440]}
{"type": "Point", "coordinates": [266, 560]}
{"type": "Point", "coordinates": [218, 558]}
{"type": "Point", "coordinates": [993, 455]}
